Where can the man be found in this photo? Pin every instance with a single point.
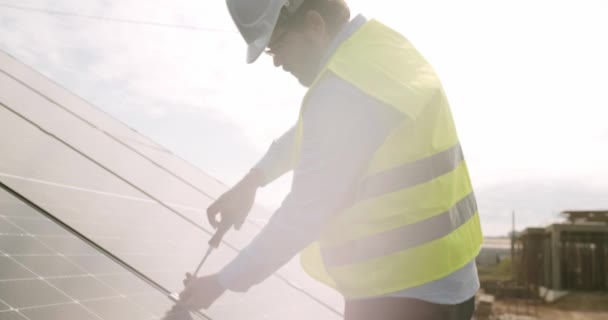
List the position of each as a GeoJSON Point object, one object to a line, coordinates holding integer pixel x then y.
{"type": "Point", "coordinates": [379, 182]}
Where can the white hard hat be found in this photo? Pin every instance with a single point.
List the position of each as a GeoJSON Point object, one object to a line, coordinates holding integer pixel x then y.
{"type": "Point", "coordinates": [256, 20]}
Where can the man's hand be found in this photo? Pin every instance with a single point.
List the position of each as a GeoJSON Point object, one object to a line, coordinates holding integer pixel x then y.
{"type": "Point", "coordinates": [234, 205]}
{"type": "Point", "coordinates": [200, 292]}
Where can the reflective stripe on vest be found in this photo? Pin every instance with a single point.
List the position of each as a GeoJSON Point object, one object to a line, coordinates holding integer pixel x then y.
{"type": "Point", "coordinates": [402, 238]}
{"type": "Point", "coordinates": [411, 174]}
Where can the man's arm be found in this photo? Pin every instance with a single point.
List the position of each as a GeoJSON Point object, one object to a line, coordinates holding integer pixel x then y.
{"type": "Point", "coordinates": [343, 128]}
{"type": "Point", "coordinates": [233, 206]}
{"type": "Point", "coordinates": [279, 159]}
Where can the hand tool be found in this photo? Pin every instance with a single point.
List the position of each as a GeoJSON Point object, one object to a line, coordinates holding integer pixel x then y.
{"type": "Point", "coordinates": [177, 312]}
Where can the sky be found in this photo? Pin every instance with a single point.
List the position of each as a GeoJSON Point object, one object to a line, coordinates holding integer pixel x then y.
{"type": "Point", "coordinates": [526, 81]}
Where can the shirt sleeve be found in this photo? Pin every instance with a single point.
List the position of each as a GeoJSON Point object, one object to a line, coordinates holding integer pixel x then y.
{"type": "Point", "coordinates": [279, 158]}
{"type": "Point", "coordinates": [342, 129]}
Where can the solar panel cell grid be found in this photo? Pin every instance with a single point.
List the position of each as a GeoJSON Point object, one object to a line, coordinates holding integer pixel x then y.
{"type": "Point", "coordinates": [7, 228]}
{"type": "Point", "coordinates": [68, 245]}
{"type": "Point", "coordinates": [22, 245]}
{"type": "Point", "coordinates": [69, 311]}
{"type": "Point", "coordinates": [12, 315]}
{"type": "Point", "coordinates": [12, 270]}
{"type": "Point", "coordinates": [117, 309]}
{"type": "Point", "coordinates": [36, 225]}
{"type": "Point", "coordinates": [29, 293]}
{"type": "Point", "coordinates": [38, 281]}
{"type": "Point", "coordinates": [12, 209]}
{"type": "Point", "coordinates": [97, 264]}
{"type": "Point", "coordinates": [3, 306]}
{"type": "Point", "coordinates": [50, 266]}
{"type": "Point", "coordinates": [83, 288]}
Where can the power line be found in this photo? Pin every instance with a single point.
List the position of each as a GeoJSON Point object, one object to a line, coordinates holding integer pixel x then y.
{"type": "Point", "coordinates": [110, 19]}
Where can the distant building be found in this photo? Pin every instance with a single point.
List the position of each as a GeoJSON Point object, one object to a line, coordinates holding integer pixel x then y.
{"type": "Point", "coordinates": [493, 250]}
{"type": "Point", "coordinates": [567, 256]}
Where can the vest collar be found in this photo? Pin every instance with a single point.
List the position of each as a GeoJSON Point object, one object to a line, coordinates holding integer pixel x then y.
{"type": "Point", "coordinates": [348, 30]}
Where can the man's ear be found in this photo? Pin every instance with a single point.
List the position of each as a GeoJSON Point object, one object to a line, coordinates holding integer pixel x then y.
{"type": "Point", "coordinates": [315, 24]}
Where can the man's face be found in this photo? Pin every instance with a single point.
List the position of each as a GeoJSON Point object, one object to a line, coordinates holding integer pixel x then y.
{"type": "Point", "coordinates": [299, 48]}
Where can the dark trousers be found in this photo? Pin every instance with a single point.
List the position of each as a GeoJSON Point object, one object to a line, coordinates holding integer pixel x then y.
{"type": "Point", "coordinates": [393, 308]}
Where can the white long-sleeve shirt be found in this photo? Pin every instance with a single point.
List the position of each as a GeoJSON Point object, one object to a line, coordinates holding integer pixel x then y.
{"type": "Point", "coordinates": [343, 128]}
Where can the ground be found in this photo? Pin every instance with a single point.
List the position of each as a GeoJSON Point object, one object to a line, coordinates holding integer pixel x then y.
{"type": "Point", "coordinates": [576, 306]}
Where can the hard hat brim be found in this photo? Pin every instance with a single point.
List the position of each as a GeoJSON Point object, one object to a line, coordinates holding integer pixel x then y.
{"type": "Point", "coordinates": [255, 48]}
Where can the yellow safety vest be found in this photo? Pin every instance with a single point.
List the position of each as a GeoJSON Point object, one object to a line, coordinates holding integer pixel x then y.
{"type": "Point", "coordinates": [413, 218]}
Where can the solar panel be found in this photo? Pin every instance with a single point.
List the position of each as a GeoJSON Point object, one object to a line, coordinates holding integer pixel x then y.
{"type": "Point", "coordinates": [39, 280]}
{"type": "Point", "coordinates": [145, 177]}
{"type": "Point", "coordinates": [95, 118]}
{"type": "Point", "coordinates": [148, 216]}
{"type": "Point", "coordinates": [55, 92]}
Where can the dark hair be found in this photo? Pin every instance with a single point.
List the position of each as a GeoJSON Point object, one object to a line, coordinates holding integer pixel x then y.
{"type": "Point", "coordinates": [335, 13]}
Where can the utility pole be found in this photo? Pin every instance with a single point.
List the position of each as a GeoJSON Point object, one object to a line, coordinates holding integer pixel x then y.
{"type": "Point", "coordinates": [512, 244]}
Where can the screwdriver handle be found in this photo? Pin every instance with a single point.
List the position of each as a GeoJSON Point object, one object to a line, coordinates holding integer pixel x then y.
{"type": "Point", "coordinates": [221, 230]}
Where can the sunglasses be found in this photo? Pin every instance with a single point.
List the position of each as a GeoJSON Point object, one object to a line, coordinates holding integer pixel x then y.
{"type": "Point", "coordinates": [280, 31]}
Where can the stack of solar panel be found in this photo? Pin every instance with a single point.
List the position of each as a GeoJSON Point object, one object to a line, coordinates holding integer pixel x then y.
{"type": "Point", "coordinates": [99, 222]}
